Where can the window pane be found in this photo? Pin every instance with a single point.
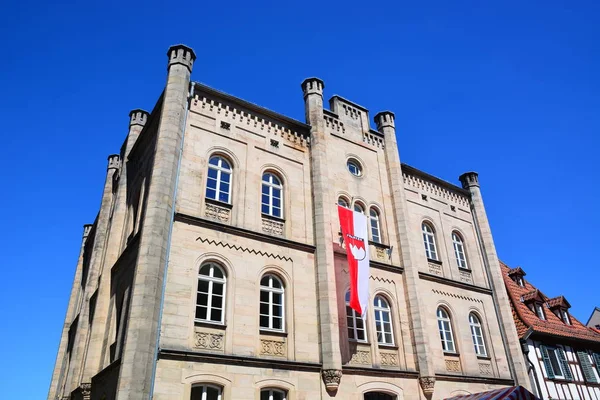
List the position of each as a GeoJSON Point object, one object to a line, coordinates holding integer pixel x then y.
{"type": "Point", "coordinates": [203, 286]}
{"type": "Point", "coordinates": [264, 321]}
{"type": "Point", "coordinates": [265, 209]}
{"type": "Point", "coordinates": [264, 395]}
{"type": "Point", "coordinates": [217, 273]}
{"type": "Point", "coordinates": [225, 176]}
{"type": "Point", "coordinates": [201, 312]}
{"type": "Point", "coordinates": [218, 288]}
{"type": "Point", "coordinates": [276, 202]}
{"type": "Point", "coordinates": [217, 301]}
{"type": "Point", "coordinates": [202, 299]}
{"type": "Point", "coordinates": [277, 323]}
{"type": "Point", "coordinates": [277, 395]}
{"type": "Point", "coordinates": [212, 393]}
{"type": "Point", "coordinates": [277, 311]}
{"type": "Point", "coordinates": [216, 315]}
{"type": "Point", "coordinates": [224, 197]}
{"type": "Point", "coordinates": [264, 296]}
{"type": "Point", "coordinates": [554, 362]}
{"type": "Point", "coordinates": [212, 173]}
{"type": "Point", "coordinates": [211, 193]}
{"type": "Point", "coordinates": [277, 298]}
{"type": "Point", "coordinates": [264, 308]}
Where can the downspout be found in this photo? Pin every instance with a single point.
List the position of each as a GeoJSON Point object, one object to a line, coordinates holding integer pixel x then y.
{"type": "Point", "coordinates": [511, 367]}
{"type": "Point", "coordinates": [162, 296]}
{"type": "Point", "coordinates": [531, 366]}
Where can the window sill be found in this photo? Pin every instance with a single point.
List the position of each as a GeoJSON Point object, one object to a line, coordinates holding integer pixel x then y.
{"type": "Point", "coordinates": [448, 353]}
{"type": "Point", "coordinates": [267, 216]}
{"type": "Point", "coordinates": [209, 324]}
{"type": "Point", "coordinates": [263, 331]}
{"type": "Point", "coordinates": [467, 270]}
{"type": "Point", "coordinates": [431, 260]}
{"type": "Point", "coordinates": [387, 346]}
{"type": "Point", "coordinates": [484, 357]}
{"type": "Point", "coordinates": [378, 244]}
{"type": "Point", "coordinates": [358, 342]}
{"type": "Point", "coordinates": [218, 203]}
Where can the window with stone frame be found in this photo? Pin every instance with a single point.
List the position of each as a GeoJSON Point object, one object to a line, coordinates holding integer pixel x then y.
{"type": "Point", "coordinates": [445, 330]}
{"type": "Point", "coordinates": [383, 321]}
{"type": "Point", "coordinates": [206, 392]}
{"type": "Point", "coordinates": [273, 394]}
{"type": "Point", "coordinates": [272, 303]}
{"type": "Point", "coordinates": [477, 335]}
{"type": "Point", "coordinates": [375, 225]}
{"type": "Point", "coordinates": [210, 298]}
{"type": "Point", "coordinates": [218, 181]}
{"type": "Point", "coordinates": [355, 323]}
{"type": "Point", "coordinates": [272, 195]}
{"type": "Point", "coordinates": [429, 241]}
{"type": "Point", "coordinates": [459, 250]}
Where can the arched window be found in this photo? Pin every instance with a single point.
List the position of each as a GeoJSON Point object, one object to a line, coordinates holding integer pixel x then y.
{"type": "Point", "coordinates": [459, 250]}
{"type": "Point", "coordinates": [273, 394]}
{"type": "Point", "coordinates": [383, 321]}
{"type": "Point", "coordinates": [272, 315]}
{"type": "Point", "coordinates": [343, 202]}
{"type": "Point", "coordinates": [445, 328]}
{"type": "Point", "coordinates": [429, 241]}
{"type": "Point", "coordinates": [206, 392]}
{"type": "Point", "coordinates": [272, 195]}
{"type": "Point", "coordinates": [356, 325]}
{"type": "Point", "coordinates": [375, 228]}
{"type": "Point", "coordinates": [379, 396]}
{"type": "Point", "coordinates": [218, 182]}
{"type": "Point", "coordinates": [477, 335]}
{"type": "Point", "coordinates": [358, 207]}
{"type": "Point", "coordinates": [210, 300]}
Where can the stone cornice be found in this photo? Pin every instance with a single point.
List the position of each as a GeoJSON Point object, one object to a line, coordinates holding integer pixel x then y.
{"type": "Point", "coordinates": [234, 230]}
{"type": "Point", "coordinates": [450, 282]}
{"type": "Point", "coordinates": [382, 372]}
{"type": "Point", "coordinates": [440, 182]}
{"type": "Point", "coordinates": [212, 358]}
{"type": "Point", "coordinates": [474, 379]}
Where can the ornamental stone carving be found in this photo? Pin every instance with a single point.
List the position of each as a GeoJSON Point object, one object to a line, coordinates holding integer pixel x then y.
{"type": "Point", "coordinates": [465, 276]}
{"type": "Point", "coordinates": [332, 378]}
{"type": "Point", "coordinates": [435, 269]}
{"type": "Point", "coordinates": [427, 385]}
{"type": "Point", "coordinates": [361, 357]}
{"type": "Point", "coordinates": [209, 341]}
{"type": "Point", "coordinates": [389, 358]}
{"type": "Point", "coordinates": [86, 391]}
{"type": "Point", "coordinates": [485, 369]}
{"type": "Point", "coordinates": [273, 348]}
{"type": "Point", "coordinates": [271, 227]}
{"type": "Point", "coordinates": [217, 213]}
{"type": "Point", "coordinates": [453, 366]}
{"type": "Point", "coordinates": [380, 253]}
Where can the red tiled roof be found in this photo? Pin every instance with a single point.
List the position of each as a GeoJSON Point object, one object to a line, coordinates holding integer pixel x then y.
{"type": "Point", "coordinates": [559, 301]}
{"type": "Point", "coordinates": [526, 320]}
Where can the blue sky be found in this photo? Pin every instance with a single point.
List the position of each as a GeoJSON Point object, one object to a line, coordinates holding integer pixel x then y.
{"type": "Point", "coordinates": [509, 89]}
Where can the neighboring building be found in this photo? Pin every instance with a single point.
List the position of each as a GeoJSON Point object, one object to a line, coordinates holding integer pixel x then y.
{"type": "Point", "coordinates": [563, 354]}
{"type": "Point", "coordinates": [594, 320]}
{"type": "Point", "coordinates": [214, 269]}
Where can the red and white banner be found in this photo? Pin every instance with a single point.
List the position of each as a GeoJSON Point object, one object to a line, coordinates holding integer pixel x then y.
{"type": "Point", "coordinates": [354, 233]}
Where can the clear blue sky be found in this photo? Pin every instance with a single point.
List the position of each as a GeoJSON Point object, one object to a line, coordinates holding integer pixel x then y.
{"type": "Point", "coordinates": [511, 90]}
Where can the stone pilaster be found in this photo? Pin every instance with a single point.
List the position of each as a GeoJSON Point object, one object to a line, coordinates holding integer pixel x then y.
{"type": "Point", "coordinates": [95, 269]}
{"type": "Point", "coordinates": [139, 353]}
{"type": "Point", "coordinates": [323, 207]}
{"type": "Point", "coordinates": [386, 124]}
{"type": "Point", "coordinates": [58, 375]}
{"type": "Point", "coordinates": [470, 181]}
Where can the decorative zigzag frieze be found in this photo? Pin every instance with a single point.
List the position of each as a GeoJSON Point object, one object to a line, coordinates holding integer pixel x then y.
{"type": "Point", "coordinates": [456, 296]}
{"type": "Point", "coordinates": [375, 278]}
{"type": "Point", "coordinates": [244, 249]}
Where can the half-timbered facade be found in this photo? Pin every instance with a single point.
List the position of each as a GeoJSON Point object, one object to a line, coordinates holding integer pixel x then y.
{"type": "Point", "coordinates": [563, 354]}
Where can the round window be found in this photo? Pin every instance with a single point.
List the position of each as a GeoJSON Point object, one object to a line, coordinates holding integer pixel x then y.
{"type": "Point", "coordinates": [354, 167]}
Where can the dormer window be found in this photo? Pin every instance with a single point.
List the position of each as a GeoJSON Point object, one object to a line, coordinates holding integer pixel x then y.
{"type": "Point", "coordinates": [560, 306]}
{"type": "Point", "coordinates": [517, 274]}
{"type": "Point", "coordinates": [539, 310]}
{"type": "Point", "coordinates": [520, 281]}
{"type": "Point", "coordinates": [565, 317]}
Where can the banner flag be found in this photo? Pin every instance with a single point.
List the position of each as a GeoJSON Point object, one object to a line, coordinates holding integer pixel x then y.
{"type": "Point", "coordinates": [354, 233]}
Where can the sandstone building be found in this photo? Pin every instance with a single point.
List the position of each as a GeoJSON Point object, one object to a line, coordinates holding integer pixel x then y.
{"type": "Point", "coordinates": [563, 355]}
{"type": "Point", "coordinates": [214, 268]}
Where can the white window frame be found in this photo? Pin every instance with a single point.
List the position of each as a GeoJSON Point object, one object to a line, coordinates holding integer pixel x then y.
{"type": "Point", "coordinates": [565, 316]}
{"type": "Point", "coordinates": [445, 330]}
{"type": "Point", "coordinates": [354, 164]}
{"type": "Point", "coordinates": [375, 225]}
{"type": "Point", "coordinates": [539, 310]}
{"type": "Point", "coordinates": [477, 335]}
{"type": "Point", "coordinates": [354, 317]}
{"type": "Point", "coordinates": [283, 393]}
{"type": "Point", "coordinates": [553, 351]}
{"type": "Point", "coordinates": [205, 386]}
{"type": "Point", "coordinates": [359, 207]}
{"type": "Point", "coordinates": [271, 290]}
{"type": "Point", "coordinates": [271, 185]}
{"type": "Point", "coordinates": [429, 241]}
{"type": "Point", "coordinates": [219, 179]}
{"type": "Point", "coordinates": [381, 306]}
{"type": "Point", "coordinates": [211, 282]}
{"type": "Point", "coordinates": [459, 250]}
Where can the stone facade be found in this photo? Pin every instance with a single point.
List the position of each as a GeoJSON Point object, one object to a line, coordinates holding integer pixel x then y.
{"type": "Point", "coordinates": [133, 331]}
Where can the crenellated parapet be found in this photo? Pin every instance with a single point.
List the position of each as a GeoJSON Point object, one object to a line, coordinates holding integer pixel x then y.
{"type": "Point", "coordinates": [138, 117]}
{"type": "Point", "coordinates": [434, 187]}
{"type": "Point", "coordinates": [114, 162]}
{"type": "Point", "coordinates": [245, 119]}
